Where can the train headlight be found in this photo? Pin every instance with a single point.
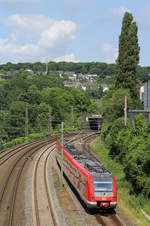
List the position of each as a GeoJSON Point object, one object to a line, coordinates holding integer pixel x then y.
{"type": "Point", "coordinates": [113, 204]}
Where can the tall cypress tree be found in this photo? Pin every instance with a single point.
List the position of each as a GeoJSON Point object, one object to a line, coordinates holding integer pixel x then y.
{"type": "Point", "coordinates": [128, 58]}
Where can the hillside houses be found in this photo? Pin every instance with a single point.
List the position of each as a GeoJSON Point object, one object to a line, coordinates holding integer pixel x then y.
{"type": "Point", "coordinates": [82, 80]}
{"type": "Point", "coordinates": [5, 77]}
{"type": "Point", "coordinates": [73, 76]}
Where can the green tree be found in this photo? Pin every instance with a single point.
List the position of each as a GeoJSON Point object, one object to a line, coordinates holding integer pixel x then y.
{"type": "Point", "coordinates": [94, 92]}
{"type": "Point", "coordinates": [60, 101]}
{"type": "Point", "coordinates": [43, 116]}
{"type": "Point", "coordinates": [16, 119]}
{"type": "Point", "coordinates": [32, 96]}
{"type": "Point", "coordinates": [128, 58]}
{"type": "Point", "coordinates": [93, 108]}
{"type": "Point", "coordinates": [113, 104]}
{"type": "Point", "coordinates": [3, 129]}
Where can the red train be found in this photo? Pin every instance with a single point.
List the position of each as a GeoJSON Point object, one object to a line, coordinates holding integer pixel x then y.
{"type": "Point", "coordinates": [95, 185]}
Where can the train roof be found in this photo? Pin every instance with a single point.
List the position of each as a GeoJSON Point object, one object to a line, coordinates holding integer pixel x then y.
{"type": "Point", "coordinates": [96, 169]}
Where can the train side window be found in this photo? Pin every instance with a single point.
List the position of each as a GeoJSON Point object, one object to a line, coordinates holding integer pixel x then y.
{"type": "Point", "coordinates": [78, 174]}
{"type": "Point", "coordinates": [67, 163]}
{"type": "Point", "coordinates": [80, 178]}
{"type": "Point", "coordinates": [73, 170]}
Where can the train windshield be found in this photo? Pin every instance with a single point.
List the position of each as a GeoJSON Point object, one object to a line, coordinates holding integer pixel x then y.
{"type": "Point", "coordinates": [103, 186]}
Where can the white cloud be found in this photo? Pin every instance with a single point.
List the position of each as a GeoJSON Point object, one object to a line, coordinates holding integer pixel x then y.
{"type": "Point", "coordinates": [50, 38]}
{"type": "Point", "coordinates": [59, 31]}
{"type": "Point", "coordinates": [28, 23]}
{"type": "Point", "coordinates": [66, 58]}
{"type": "Point", "coordinates": [28, 26]}
{"type": "Point", "coordinates": [114, 14]}
{"type": "Point", "coordinates": [110, 53]}
{"type": "Point", "coordinates": [16, 53]}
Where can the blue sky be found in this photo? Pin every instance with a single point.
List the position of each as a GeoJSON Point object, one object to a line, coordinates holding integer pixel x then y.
{"type": "Point", "coordinates": [69, 30]}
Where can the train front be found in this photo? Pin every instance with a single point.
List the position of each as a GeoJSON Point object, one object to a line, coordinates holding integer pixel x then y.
{"type": "Point", "coordinates": [105, 191]}
{"type": "Point", "coordinates": [102, 186]}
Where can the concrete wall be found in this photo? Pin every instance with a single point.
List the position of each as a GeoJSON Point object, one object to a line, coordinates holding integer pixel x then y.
{"type": "Point", "coordinates": [133, 113]}
{"type": "Point", "coordinates": [147, 95]}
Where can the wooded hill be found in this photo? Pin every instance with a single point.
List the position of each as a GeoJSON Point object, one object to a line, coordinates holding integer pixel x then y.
{"type": "Point", "coordinates": [102, 69]}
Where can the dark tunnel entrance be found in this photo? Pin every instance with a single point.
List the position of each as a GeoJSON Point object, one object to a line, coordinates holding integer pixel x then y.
{"type": "Point", "coordinates": [95, 122]}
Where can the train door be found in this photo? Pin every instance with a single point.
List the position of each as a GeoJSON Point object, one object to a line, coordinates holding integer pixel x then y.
{"type": "Point", "coordinates": [76, 177]}
{"type": "Point", "coordinates": [73, 174]}
{"type": "Point", "coordinates": [85, 193]}
{"type": "Point", "coordinates": [67, 168]}
{"type": "Point", "coordinates": [82, 183]}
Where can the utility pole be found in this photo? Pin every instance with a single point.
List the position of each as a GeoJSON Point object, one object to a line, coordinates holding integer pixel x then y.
{"type": "Point", "coordinates": [125, 111]}
{"type": "Point", "coordinates": [50, 121]}
{"type": "Point", "coordinates": [26, 123]}
{"type": "Point", "coordinates": [62, 156]}
{"type": "Point", "coordinates": [72, 116]}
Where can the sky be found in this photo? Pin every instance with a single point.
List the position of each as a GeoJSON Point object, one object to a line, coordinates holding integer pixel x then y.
{"type": "Point", "coordinates": [69, 30]}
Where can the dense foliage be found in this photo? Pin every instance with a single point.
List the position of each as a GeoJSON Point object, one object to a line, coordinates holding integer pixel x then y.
{"type": "Point", "coordinates": [131, 146]}
{"type": "Point", "coordinates": [128, 58]}
{"type": "Point", "coordinates": [102, 69]}
{"type": "Point", "coordinates": [43, 93]}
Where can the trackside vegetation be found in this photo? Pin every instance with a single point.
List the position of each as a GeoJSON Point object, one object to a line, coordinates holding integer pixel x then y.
{"type": "Point", "coordinates": [128, 200]}
{"type": "Point", "coordinates": [126, 149]}
{"type": "Point", "coordinates": [35, 136]}
{"type": "Point", "coordinates": [130, 146]}
{"type": "Point", "coordinates": [48, 101]}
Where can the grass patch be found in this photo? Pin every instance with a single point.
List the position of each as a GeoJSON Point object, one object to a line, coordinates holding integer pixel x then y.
{"type": "Point", "coordinates": [127, 201]}
{"type": "Point", "coordinates": [14, 142]}
{"type": "Point", "coordinates": [35, 136]}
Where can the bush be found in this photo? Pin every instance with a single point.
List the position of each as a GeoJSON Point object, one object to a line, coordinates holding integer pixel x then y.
{"type": "Point", "coordinates": [131, 146]}
{"type": "Point", "coordinates": [105, 131]}
{"type": "Point", "coordinates": [14, 142]}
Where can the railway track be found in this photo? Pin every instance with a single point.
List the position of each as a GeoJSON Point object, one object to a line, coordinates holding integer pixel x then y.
{"type": "Point", "coordinates": [86, 216]}
{"type": "Point", "coordinates": [44, 204]}
{"type": "Point", "coordinates": [34, 158]}
{"type": "Point", "coordinates": [13, 164]}
{"type": "Point", "coordinates": [76, 210]}
{"type": "Point", "coordinates": [104, 218]}
{"type": "Point", "coordinates": [7, 154]}
{"type": "Point", "coordinates": [10, 186]}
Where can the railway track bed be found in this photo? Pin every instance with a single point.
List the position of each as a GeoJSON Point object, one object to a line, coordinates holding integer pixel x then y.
{"type": "Point", "coordinates": [39, 200]}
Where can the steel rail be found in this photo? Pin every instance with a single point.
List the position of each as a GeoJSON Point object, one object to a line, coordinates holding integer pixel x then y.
{"type": "Point", "coordinates": [18, 149]}
{"type": "Point", "coordinates": [37, 147]}
{"type": "Point", "coordinates": [17, 182]}
{"type": "Point", "coordinates": [46, 188]}
{"type": "Point", "coordinates": [113, 218]}
{"type": "Point", "coordinates": [13, 167]}
{"type": "Point", "coordinates": [47, 192]}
